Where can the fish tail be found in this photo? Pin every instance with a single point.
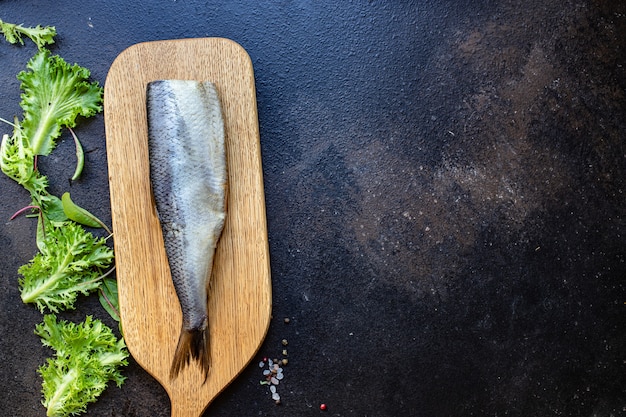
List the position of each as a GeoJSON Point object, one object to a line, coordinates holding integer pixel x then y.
{"type": "Point", "coordinates": [192, 343]}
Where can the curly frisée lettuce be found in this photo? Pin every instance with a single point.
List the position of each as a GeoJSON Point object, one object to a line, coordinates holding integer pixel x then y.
{"type": "Point", "coordinates": [87, 356]}
{"type": "Point", "coordinates": [54, 94]}
{"type": "Point", "coordinates": [17, 161]}
{"type": "Point", "coordinates": [71, 262]}
{"type": "Point", "coordinates": [42, 36]}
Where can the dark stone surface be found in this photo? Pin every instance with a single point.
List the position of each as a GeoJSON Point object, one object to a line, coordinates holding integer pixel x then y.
{"type": "Point", "coordinates": [445, 195]}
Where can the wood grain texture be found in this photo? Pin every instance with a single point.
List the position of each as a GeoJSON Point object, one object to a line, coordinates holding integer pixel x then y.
{"type": "Point", "coordinates": [240, 295]}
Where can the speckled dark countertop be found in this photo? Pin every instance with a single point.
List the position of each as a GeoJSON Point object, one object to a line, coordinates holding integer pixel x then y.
{"type": "Point", "coordinates": [445, 190]}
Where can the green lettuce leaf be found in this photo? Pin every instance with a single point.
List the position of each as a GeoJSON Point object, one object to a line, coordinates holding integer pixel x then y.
{"type": "Point", "coordinates": [42, 36]}
{"type": "Point", "coordinates": [17, 161]}
{"type": "Point", "coordinates": [54, 94]}
{"type": "Point", "coordinates": [71, 262]}
{"type": "Point", "coordinates": [87, 356]}
{"type": "Point", "coordinates": [78, 214]}
{"type": "Point", "coordinates": [109, 298]}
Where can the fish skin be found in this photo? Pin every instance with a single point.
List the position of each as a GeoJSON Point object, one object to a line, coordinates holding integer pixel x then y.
{"type": "Point", "coordinates": [188, 173]}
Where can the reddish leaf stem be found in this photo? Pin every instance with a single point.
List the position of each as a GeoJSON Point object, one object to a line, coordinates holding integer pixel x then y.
{"type": "Point", "coordinates": [20, 211]}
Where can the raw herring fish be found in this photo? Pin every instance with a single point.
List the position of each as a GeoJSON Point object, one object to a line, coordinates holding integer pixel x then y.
{"type": "Point", "coordinates": [189, 183]}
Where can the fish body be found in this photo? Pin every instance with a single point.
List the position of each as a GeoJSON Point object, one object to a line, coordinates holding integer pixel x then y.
{"type": "Point", "coordinates": [188, 173]}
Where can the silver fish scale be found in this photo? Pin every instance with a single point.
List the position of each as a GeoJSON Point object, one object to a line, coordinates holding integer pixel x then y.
{"type": "Point", "coordinates": [188, 176]}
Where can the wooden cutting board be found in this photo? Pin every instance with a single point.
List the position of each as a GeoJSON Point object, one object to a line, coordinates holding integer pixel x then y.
{"type": "Point", "coordinates": [240, 295]}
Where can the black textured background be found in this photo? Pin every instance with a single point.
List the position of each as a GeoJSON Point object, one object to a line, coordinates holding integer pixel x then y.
{"type": "Point", "coordinates": [445, 188]}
